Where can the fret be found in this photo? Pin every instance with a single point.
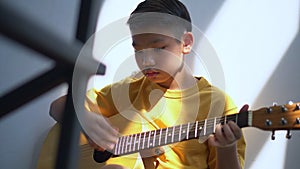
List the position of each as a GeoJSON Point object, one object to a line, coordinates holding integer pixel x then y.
{"type": "Point", "coordinates": [130, 144]}
{"type": "Point", "coordinates": [215, 123]}
{"type": "Point", "coordinates": [144, 139]}
{"type": "Point", "coordinates": [126, 143]}
{"type": "Point", "coordinates": [153, 144]}
{"type": "Point", "coordinates": [149, 136]}
{"type": "Point", "coordinates": [135, 135]}
{"type": "Point", "coordinates": [204, 130]}
{"type": "Point", "coordinates": [123, 142]}
{"type": "Point", "coordinates": [200, 131]}
{"type": "Point", "coordinates": [180, 128]}
{"type": "Point", "coordinates": [184, 132]}
{"type": "Point", "coordinates": [140, 136]}
{"type": "Point", "coordinates": [210, 126]}
{"type": "Point", "coordinates": [120, 145]}
{"type": "Point", "coordinates": [188, 131]}
{"type": "Point", "coordinates": [151, 140]}
{"type": "Point", "coordinates": [116, 147]}
{"type": "Point", "coordinates": [173, 134]}
{"type": "Point", "coordinates": [160, 136]}
{"type": "Point", "coordinates": [166, 136]}
{"type": "Point", "coordinates": [196, 129]}
{"type": "Point", "coordinates": [154, 138]}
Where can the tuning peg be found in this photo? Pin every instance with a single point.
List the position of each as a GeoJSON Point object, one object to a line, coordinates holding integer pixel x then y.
{"type": "Point", "coordinates": [268, 122]}
{"type": "Point", "coordinates": [297, 120]}
{"type": "Point", "coordinates": [273, 135]}
{"type": "Point", "coordinates": [269, 110]}
{"type": "Point", "coordinates": [288, 134]}
{"type": "Point", "coordinates": [297, 106]}
{"type": "Point", "coordinates": [284, 109]}
{"type": "Point", "coordinates": [283, 121]}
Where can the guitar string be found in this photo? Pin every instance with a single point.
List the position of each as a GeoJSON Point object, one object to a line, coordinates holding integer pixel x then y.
{"type": "Point", "coordinates": [210, 123]}
{"type": "Point", "coordinates": [176, 131]}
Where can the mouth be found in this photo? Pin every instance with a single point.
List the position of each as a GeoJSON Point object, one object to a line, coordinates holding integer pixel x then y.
{"type": "Point", "coordinates": [150, 73]}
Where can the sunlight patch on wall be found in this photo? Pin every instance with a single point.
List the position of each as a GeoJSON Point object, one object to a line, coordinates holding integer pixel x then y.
{"type": "Point", "coordinates": [114, 11]}
{"type": "Point", "coordinates": [250, 37]}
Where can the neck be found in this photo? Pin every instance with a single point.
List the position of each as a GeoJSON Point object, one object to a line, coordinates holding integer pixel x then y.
{"type": "Point", "coordinates": [182, 80]}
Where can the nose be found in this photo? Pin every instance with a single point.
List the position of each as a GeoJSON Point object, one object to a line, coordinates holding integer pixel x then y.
{"type": "Point", "coordinates": [148, 59]}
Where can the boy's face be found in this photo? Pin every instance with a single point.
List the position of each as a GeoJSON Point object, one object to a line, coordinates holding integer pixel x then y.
{"type": "Point", "coordinates": [158, 56]}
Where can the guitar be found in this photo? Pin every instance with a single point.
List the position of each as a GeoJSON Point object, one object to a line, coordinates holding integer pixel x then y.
{"type": "Point", "coordinates": [284, 117]}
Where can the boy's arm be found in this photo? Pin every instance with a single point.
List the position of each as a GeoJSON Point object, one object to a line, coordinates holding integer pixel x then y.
{"type": "Point", "coordinates": [57, 108]}
{"type": "Point", "coordinates": [225, 140]}
{"type": "Point", "coordinates": [98, 131]}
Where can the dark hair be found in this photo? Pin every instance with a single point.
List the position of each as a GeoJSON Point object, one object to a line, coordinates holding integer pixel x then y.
{"type": "Point", "coordinates": [171, 7]}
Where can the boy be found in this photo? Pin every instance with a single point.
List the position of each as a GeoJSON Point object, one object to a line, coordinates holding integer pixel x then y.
{"type": "Point", "coordinates": [163, 95]}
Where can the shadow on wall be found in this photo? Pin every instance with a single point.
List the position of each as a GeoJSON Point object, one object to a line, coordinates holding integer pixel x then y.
{"type": "Point", "coordinates": [283, 86]}
{"type": "Point", "coordinates": [202, 14]}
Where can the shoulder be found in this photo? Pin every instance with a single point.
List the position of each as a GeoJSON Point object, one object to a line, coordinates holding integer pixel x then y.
{"type": "Point", "coordinates": [205, 86]}
{"type": "Point", "coordinates": [216, 96]}
{"type": "Point", "coordinates": [131, 83]}
{"type": "Point", "coordinates": [128, 82]}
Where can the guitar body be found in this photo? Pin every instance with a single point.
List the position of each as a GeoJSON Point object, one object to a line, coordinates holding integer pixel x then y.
{"type": "Point", "coordinates": [131, 126]}
{"type": "Point", "coordinates": [48, 152]}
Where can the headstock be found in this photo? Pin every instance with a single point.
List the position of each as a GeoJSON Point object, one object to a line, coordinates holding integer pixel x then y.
{"type": "Point", "coordinates": [278, 117]}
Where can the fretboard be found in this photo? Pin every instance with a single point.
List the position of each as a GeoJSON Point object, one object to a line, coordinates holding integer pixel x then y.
{"type": "Point", "coordinates": [133, 143]}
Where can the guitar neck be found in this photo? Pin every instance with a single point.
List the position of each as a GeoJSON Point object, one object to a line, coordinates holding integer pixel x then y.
{"type": "Point", "coordinates": [276, 117]}
{"type": "Point", "coordinates": [133, 143]}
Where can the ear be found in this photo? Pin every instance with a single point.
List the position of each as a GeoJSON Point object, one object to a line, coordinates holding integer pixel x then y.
{"type": "Point", "coordinates": [188, 41]}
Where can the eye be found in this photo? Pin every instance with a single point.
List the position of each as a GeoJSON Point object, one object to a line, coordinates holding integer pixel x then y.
{"type": "Point", "coordinates": [159, 49]}
{"type": "Point", "coordinates": [138, 52]}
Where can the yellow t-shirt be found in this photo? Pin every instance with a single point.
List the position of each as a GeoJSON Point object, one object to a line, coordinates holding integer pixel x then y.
{"type": "Point", "coordinates": [136, 104]}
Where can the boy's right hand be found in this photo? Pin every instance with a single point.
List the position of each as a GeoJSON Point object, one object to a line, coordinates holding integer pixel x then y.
{"type": "Point", "coordinates": [101, 135]}
{"type": "Point", "coordinates": [99, 132]}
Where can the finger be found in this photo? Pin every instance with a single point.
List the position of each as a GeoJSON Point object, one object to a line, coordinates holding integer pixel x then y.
{"type": "Point", "coordinates": [212, 140]}
{"type": "Point", "coordinates": [236, 130]}
{"type": "Point", "coordinates": [99, 130]}
{"type": "Point", "coordinates": [101, 138]}
{"type": "Point", "coordinates": [108, 135]}
{"type": "Point", "coordinates": [105, 130]}
{"type": "Point", "coordinates": [95, 146]}
{"type": "Point", "coordinates": [219, 134]}
{"type": "Point", "coordinates": [105, 124]}
{"type": "Point", "coordinates": [103, 146]}
{"type": "Point", "coordinates": [228, 134]}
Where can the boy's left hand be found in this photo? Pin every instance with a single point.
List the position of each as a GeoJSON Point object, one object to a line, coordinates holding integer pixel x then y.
{"type": "Point", "coordinates": [226, 135]}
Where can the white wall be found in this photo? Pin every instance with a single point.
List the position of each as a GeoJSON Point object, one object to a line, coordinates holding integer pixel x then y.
{"type": "Point", "coordinates": [256, 42]}
{"type": "Point", "coordinates": [257, 47]}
